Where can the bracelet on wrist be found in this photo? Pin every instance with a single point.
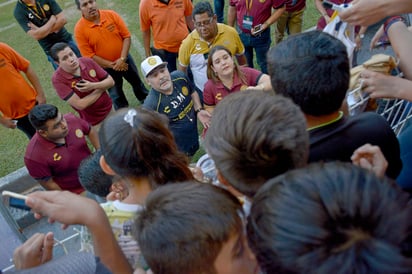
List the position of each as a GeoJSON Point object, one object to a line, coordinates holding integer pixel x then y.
{"type": "Point", "coordinates": [199, 110]}
{"type": "Point", "coordinates": [390, 21]}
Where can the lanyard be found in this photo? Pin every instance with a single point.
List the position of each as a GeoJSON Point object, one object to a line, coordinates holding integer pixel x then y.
{"type": "Point", "coordinates": [35, 9]}
{"type": "Point", "coordinates": [249, 4]}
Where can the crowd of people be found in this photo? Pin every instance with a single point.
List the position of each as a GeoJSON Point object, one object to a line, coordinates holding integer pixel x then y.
{"type": "Point", "coordinates": [299, 186]}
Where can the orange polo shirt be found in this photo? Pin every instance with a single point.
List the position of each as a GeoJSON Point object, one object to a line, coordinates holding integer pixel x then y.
{"type": "Point", "coordinates": [18, 97]}
{"type": "Point", "coordinates": [168, 22]}
{"type": "Point", "coordinates": [104, 39]}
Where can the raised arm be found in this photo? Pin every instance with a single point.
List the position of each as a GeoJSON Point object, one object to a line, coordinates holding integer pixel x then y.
{"type": "Point", "coordinates": [68, 209]}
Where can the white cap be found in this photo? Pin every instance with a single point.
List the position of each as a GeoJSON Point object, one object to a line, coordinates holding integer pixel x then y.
{"type": "Point", "coordinates": [150, 63]}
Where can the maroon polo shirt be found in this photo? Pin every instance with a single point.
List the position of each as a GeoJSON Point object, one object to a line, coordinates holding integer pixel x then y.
{"type": "Point", "coordinates": [65, 86]}
{"type": "Point", "coordinates": [45, 159]}
{"type": "Point", "coordinates": [213, 92]}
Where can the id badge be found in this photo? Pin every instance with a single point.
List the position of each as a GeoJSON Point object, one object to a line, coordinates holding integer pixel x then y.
{"type": "Point", "coordinates": [247, 22]}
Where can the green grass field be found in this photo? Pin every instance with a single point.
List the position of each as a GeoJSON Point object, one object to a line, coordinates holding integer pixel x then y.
{"type": "Point", "coordinates": [13, 142]}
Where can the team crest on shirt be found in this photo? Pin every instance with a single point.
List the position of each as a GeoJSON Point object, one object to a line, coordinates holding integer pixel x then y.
{"type": "Point", "coordinates": [46, 7]}
{"type": "Point", "coordinates": [56, 157]}
{"type": "Point", "coordinates": [92, 73]}
{"type": "Point", "coordinates": [79, 133]}
{"type": "Point", "coordinates": [73, 84]}
{"type": "Point", "coordinates": [198, 47]}
{"type": "Point", "coordinates": [218, 96]}
{"type": "Point", "coordinates": [167, 109]}
{"type": "Point", "coordinates": [262, 1]}
{"type": "Point", "coordinates": [185, 91]}
{"type": "Point", "coordinates": [243, 87]}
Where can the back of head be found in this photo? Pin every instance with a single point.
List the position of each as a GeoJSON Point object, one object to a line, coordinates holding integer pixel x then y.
{"type": "Point", "coordinates": [40, 114]}
{"type": "Point", "coordinates": [138, 143]}
{"type": "Point", "coordinates": [188, 223]}
{"type": "Point", "coordinates": [56, 48]}
{"type": "Point", "coordinates": [331, 218]}
{"type": "Point", "coordinates": [202, 7]}
{"type": "Point", "coordinates": [312, 68]}
{"type": "Point", "coordinates": [255, 136]}
{"type": "Point", "coordinates": [92, 177]}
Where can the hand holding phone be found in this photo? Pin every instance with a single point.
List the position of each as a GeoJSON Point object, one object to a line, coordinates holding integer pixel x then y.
{"type": "Point", "coordinates": [257, 29]}
{"type": "Point", "coordinates": [80, 83]}
{"type": "Point", "coordinates": [16, 200]}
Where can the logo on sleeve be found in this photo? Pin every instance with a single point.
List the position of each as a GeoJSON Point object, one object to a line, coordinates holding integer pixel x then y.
{"type": "Point", "coordinates": [92, 73]}
{"type": "Point", "coordinates": [79, 133]}
{"type": "Point", "coordinates": [46, 7]}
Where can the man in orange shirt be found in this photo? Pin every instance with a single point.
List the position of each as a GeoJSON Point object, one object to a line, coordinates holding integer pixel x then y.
{"type": "Point", "coordinates": [169, 20]}
{"type": "Point", "coordinates": [18, 97]}
{"type": "Point", "coordinates": [103, 36]}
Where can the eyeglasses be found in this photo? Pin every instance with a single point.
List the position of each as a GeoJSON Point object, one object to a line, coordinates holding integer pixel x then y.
{"type": "Point", "coordinates": [204, 23]}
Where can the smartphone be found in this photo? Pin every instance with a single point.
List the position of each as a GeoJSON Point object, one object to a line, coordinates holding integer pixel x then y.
{"type": "Point", "coordinates": [257, 29]}
{"type": "Point", "coordinates": [16, 200]}
{"type": "Point", "coordinates": [80, 82]}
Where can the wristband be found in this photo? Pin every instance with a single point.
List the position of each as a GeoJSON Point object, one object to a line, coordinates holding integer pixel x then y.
{"type": "Point", "coordinates": [392, 20]}
{"type": "Point", "coordinates": [199, 110]}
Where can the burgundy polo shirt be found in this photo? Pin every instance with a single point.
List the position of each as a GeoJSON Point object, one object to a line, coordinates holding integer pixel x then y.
{"type": "Point", "coordinates": [45, 159]}
{"type": "Point", "coordinates": [65, 85]}
{"type": "Point", "coordinates": [213, 92]}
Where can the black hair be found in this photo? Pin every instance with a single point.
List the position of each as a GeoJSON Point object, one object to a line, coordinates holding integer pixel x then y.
{"type": "Point", "coordinates": [331, 218]}
{"type": "Point", "coordinates": [40, 114]}
{"type": "Point", "coordinates": [56, 48]}
{"type": "Point", "coordinates": [312, 68]}
{"type": "Point", "coordinates": [189, 223]}
{"type": "Point", "coordinates": [92, 177]}
{"type": "Point", "coordinates": [254, 136]}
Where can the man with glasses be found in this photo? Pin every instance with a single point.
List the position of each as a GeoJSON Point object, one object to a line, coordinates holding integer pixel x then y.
{"type": "Point", "coordinates": [195, 47]}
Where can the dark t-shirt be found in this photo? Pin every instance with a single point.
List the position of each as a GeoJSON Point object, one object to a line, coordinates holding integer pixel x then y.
{"type": "Point", "coordinates": [337, 141]}
{"type": "Point", "coordinates": [39, 16]}
{"type": "Point", "coordinates": [178, 107]}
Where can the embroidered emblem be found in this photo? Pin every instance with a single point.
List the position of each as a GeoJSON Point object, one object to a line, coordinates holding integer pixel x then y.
{"type": "Point", "coordinates": [46, 7]}
{"type": "Point", "coordinates": [73, 84]}
{"type": "Point", "coordinates": [92, 73]}
{"type": "Point", "coordinates": [79, 133]}
{"type": "Point", "coordinates": [198, 47]}
{"type": "Point", "coordinates": [152, 61]}
{"type": "Point", "coordinates": [167, 109]}
{"type": "Point", "coordinates": [218, 96]}
{"type": "Point", "coordinates": [56, 157]}
{"type": "Point", "coordinates": [185, 91]}
{"type": "Point", "coordinates": [262, 1]}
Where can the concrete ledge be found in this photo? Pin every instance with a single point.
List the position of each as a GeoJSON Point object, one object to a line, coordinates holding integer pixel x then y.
{"type": "Point", "coordinates": [19, 181]}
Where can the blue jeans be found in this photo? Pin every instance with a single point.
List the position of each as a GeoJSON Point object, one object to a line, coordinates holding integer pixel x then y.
{"type": "Point", "coordinates": [261, 44]}
{"type": "Point", "coordinates": [219, 9]}
{"type": "Point", "coordinates": [72, 45]}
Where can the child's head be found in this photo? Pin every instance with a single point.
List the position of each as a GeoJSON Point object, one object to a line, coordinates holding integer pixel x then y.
{"type": "Point", "coordinates": [312, 68]}
{"type": "Point", "coordinates": [255, 136]}
{"type": "Point", "coordinates": [192, 227]}
{"type": "Point", "coordinates": [92, 177]}
{"type": "Point", "coordinates": [331, 218]}
{"type": "Point", "coordinates": [137, 143]}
